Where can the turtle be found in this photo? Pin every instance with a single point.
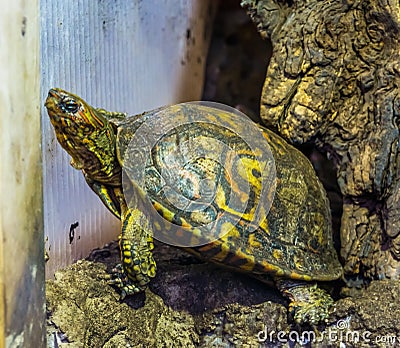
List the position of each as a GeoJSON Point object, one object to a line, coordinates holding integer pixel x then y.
{"type": "Point", "coordinates": [288, 242]}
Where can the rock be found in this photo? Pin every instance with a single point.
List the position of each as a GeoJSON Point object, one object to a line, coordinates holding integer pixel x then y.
{"type": "Point", "coordinates": [194, 304]}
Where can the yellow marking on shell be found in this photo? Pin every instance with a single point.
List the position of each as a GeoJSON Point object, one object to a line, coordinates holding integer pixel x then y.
{"type": "Point", "coordinates": [166, 213]}
{"type": "Point", "coordinates": [253, 242]}
{"type": "Point", "coordinates": [185, 224]}
{"type": "Point", "coordinates": [249, 265]}
{"type": "Point", "coordinates": [157, 225]}
{"type": "Point", "coordinates": [295, 275]}
{"type": "Point", "coordinates": [240, 255]}
{"type": "Point", "coordinates": [254, 152]}
{"type": "Point", "coordinates": [221, 256]}
{"type": "Point", "coordinates": [196, 232]}
{"type": "Point", "coordinates": [264, 224]}
{"type": "Point", "coordinates": [245, 170]}
{"type": "Point", "coordinates": [169, 215]}
{"type": "Point", "coordinates": [269, 268]}
{"type": "Point", "coordinates": [212, 118]}
{"type": "Point", "coordinates": [232, 183]}
{"type": "Point", "coordinates": [277, 254]}
{"type": "Point", "coordinates": [220, 200]}
{"type": "Point", "coordinates": [179, 112]}
{"type": "Point", "coordinates": [226, 117]}
{"type": "Point", "coordinates": [228, 230]}
{"type": "Point", "coordinates": [196, 236]}
{"type": "Point", "coordinates": [275, 142]}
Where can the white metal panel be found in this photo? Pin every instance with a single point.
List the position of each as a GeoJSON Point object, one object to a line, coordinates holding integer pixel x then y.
{"type": "Point", "coordinates": [121, 55]}
{"type": "Point", "coordinates": [22, 312]}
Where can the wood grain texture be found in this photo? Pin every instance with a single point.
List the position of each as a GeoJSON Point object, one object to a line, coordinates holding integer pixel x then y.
{"type": "Point", "coordinates": [333, 80]}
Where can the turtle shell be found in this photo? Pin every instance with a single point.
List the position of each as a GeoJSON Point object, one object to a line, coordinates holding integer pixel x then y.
{"type": "Point", "coordinates": [217, 205]}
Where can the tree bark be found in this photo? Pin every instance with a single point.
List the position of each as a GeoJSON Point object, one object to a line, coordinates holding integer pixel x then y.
{"type": "Point", "coordinates": [333, 80]}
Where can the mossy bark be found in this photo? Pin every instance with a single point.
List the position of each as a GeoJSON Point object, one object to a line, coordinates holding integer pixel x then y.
{"type": "Point", "coordinates": [333, 80]}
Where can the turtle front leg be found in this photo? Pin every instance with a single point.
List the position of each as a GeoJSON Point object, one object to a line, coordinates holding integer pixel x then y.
{"type": "Point", "coordinates": [136, 244]}
{"type": "Point", "coordinates": [309, 304]}
{"type": "Point", "coordinates": [111, 196]}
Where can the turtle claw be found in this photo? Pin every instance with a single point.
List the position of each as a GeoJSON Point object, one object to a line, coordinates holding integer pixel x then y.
{"type": "Point", "coordinates": [119, 278]}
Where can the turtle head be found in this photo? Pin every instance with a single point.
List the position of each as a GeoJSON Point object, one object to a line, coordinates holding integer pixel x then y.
{"type": "Point", "coordinates": [72, 113]}
{"type": "Point", "coordinates": [85, 133]}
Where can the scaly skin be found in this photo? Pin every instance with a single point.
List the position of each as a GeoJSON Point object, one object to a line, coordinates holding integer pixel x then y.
{"type": "Point", "coordinates": [308, 303]}
{"type": "Point", "coordinates": [89, 138]}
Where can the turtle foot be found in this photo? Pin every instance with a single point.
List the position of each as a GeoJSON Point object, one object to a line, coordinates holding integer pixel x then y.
{"type": "Point", "coordinates": [127, 286]}
{"type": "Point", "coordinates": [137, 267]}
{"type": "Point", "coordinates": [308, 303]}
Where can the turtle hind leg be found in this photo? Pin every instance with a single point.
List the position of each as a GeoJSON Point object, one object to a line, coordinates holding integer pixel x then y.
{"type": "Point", "coordinates": [309, 304]}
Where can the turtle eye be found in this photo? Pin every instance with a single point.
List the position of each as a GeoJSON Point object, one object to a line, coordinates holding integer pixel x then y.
{"type": "Point", "coordinates": [69, 106]}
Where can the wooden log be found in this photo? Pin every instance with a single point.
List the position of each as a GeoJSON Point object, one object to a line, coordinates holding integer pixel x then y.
{"type": "Point", "coordinates": [333, 80]}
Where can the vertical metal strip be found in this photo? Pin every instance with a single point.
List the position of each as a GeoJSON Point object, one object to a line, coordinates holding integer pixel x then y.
{"type": "Point", "coordinates": [21, 219]}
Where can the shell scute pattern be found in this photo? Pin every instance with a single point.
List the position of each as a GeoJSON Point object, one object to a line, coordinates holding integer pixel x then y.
{"type": "Point", "coordinates": [293, 240]}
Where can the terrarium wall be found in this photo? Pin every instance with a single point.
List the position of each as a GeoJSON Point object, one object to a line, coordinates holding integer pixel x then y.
{"type": "Point", "coordinates": [22, 312]}
{"type": "Point", "coordinates": [128, 56]}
